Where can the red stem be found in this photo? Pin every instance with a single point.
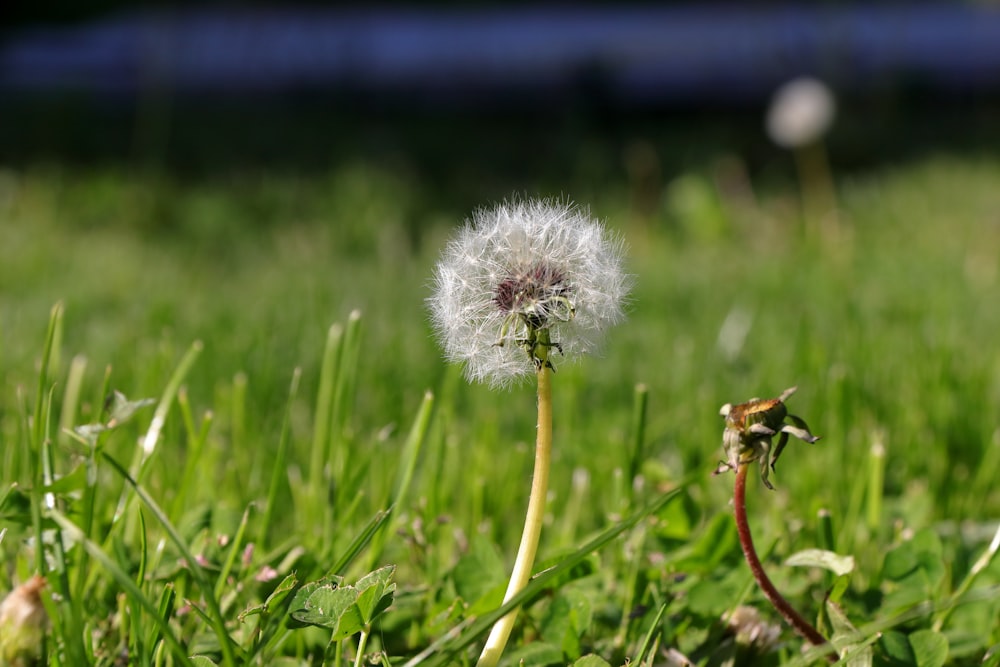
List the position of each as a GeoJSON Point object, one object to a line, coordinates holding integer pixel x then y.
{"type": "Point", "coordinates": [801, 625]}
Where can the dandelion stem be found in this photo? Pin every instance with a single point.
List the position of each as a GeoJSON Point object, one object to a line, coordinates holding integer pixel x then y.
{"type": "Point", "coordinates": [801, 625]}
{"type": "Point", "coordinates": [532, 521]}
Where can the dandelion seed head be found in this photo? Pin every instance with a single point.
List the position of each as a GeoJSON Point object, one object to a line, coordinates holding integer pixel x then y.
{"type": "Point", "coordinates": [520, 265]}
{"type": "Point", "coordinates": [801, 111]}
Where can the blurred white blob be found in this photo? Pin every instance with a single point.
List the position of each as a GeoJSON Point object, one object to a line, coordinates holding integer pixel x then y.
{"type": "Point", "coordinates": [733, 332]}
{"type": "Point", "coordinates": [801, 111]}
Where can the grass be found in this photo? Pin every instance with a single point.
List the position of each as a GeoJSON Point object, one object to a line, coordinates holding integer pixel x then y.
{"type": "Point", "coordinates": [293, 446]}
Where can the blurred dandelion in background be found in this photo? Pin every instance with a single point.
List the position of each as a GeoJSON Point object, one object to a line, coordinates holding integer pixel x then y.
{"type": "Point", "coordinates": [799, 116]}
{"type": "Point", "coordinates": [801, 112]}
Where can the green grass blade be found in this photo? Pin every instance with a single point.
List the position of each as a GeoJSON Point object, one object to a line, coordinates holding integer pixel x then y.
{"type": "Point", "coordinates": [34, 444]}
{"type": "Point", "coordinates": [137, 646]}
{"type": "Point", "coordinates": [48, 350]}
{"type": "Point", "coordinates": [640, 404]}
{"type": "Point", "coordinates": [876, 484]}
{"type": "Point", "coordinates": [149, 441]}
{"type": "Point", "coordinates": [71, 398]}
{"type": "Point", "coordinates": [279, 471]}
{"type": "Point", "coordinates": [320, 450]}
{"type": "Point", "coordinates": [152, 437]}
{"type": "Point", "coordinates": [448, 653]}
{"type": "Point", "coordinates": [344, 393]}
{"type": "Point", "coordinates": [234, 551]}
{"type": "Point", "coordinates": [238, 427]}
{"type": "Point", "coordinates": [123, 579]}
{"type": "Point", "coordinates": [165, 610]}
{"type": "Point", "coordinates": [360, 541]}
{"type": "Point", "coordinates": [410, 454]}
{"type": "Point", "coordinates": [411, 450]}
{"type": "Point", "coordinates": [196, 458]}
{"type": "Point", "coordinates": [70, 619]}
{"type": "Point", "coordinates": [214, 612]}
{"type": "Point", "coordinates": [983, 562]}
{"type": "Point", "coordinates": [648, 639]}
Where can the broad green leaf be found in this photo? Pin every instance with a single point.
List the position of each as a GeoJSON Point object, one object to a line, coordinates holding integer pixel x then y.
{"type": "Point", "coordinates": [900, 561]}
{"type": "Point", "coordinates": [923, 552]}
{"type": "Point", "coordinates": [717, 542]}
{"type": "Point", "coordinates": [490, 600]}
{"type": "Point", "coordinates": [923, 648]}
{"type": "Point", "coordinates": [346, 610]}
{"type": "Point", "coordinates": [373, 601]}
{"type": "Point", "coordinates": [710, 598]}
{"type": "Point", "coordinates": [380, 577]}
{"type": "Point", "coordinates": [350, 619]}
{"type": "Point", "coordinates": [299, 601]}
{"type": "Point", "coordinates": [286, 586]}
{"type": "Point", "coordinates": [839, 565]}
{"type": "Point", "coordinates": [383, 603]}
{"type": "Point", "coordinates": [566, 620]}
{"type": "Point", "coordinates": [897, 648]}
{"type": "Point", "coordinates": [375, 593]}
{"type": "Point", "coordinates": [591, 661]}
{"type": "Point", "coordinates": [202, 661]}
{"type": "Point", "coordinates": [480, 572]}
{"type": "Point", "coordinates": [676, 522]}
{"type": "Point", "coordinates": [325, 605]}
{"type": "Point", "coordinates": [906, 592]}
{"type": "Point", "coordinates": [931, 554]}
{"type": "Point", "coordinates": [913, 571]}
{"type": "Point", "coordinates": [930, 648]}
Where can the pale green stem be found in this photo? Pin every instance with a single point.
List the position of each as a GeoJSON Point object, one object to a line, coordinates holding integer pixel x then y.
{"type": "Point", "coordinates": [981, 564]}
{"type": "Point", "coordinates": [362, 642]}
{"type": "Point", "coordinates": [532, 521]}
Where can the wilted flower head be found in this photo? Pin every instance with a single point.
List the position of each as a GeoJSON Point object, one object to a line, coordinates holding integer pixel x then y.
{"type": "Point", "coordinates": [23, 623]}
{"type": "Point", "coordinates": [523, 277]}
{"type": "Point", "coordinates": [801, 111]}
{"type": "Point", "coordinates": [750, 427]}
{"type": "Point", "coordinates": [750, 629]}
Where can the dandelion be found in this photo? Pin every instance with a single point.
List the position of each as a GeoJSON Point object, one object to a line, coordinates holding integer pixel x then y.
{"type": "Point", "coordinates": [801, 112]}
{"type": "Point", "coordinates": [522, 280]}
{"type": "Point", "coordinates": [750, 427]}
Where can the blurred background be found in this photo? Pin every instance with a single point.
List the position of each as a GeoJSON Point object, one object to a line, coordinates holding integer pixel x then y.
{"type": "Point", "coordinates": [216, 158]}
{"type": "Point", "coordinates": [247, 174]}
{"type": "Point", "coordinates": [474, 99]}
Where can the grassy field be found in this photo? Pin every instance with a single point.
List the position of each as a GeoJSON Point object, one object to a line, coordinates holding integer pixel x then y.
{"type": "Point", "coordinates": [277, 321]}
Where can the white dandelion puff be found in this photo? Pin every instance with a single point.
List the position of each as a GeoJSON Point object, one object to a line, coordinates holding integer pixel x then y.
{"type": "Point", "coordinates": [525, 274]}
{"type": "Point", "coordinates": [801, 112]}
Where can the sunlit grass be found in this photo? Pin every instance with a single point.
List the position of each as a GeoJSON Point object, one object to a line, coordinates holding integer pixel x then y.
{"type": "Point", "coordinates": [295, 440]}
